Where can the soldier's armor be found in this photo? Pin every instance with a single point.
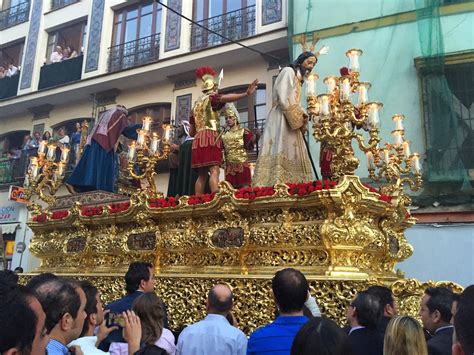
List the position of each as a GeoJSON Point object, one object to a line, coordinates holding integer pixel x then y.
{"type": "Point", "coordinates": [204, 115]}
{"type": "Point", "coordinates": [234, 146]}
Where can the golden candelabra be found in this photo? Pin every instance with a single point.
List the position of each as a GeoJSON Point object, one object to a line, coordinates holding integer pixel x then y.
{"type": "Point", "coordinates": [45, 176]}
{"type": "Point", "coordinates": [335, 116]}
{"type": "Point", "coordinates": [144, 153]}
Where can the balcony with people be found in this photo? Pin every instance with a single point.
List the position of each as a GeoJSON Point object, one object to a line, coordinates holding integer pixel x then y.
{"type": "Point", "coordinates": [218, 19]}
{"type": "Point", "coordinates": [14, 12]}
{"type": "Point", "coordinates": [10, 59]}
{"type": "Point", "coordinates": [136, 36]}
{"type": "Point", "coordinates": [64, 56]}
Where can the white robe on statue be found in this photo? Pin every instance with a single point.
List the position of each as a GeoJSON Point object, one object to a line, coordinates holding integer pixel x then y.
{"type": "Point", "coordinates": [283, 156]}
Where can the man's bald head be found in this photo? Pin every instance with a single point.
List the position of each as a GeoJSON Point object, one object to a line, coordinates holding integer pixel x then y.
{"type": "Point", "coordinates": [219, 299]}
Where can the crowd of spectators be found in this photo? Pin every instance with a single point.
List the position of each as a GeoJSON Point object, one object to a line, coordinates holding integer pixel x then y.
{"type": "Point", "coordinates": [61, 54]}
{"type": "Point", "coordinates": [63, 316]}
{"type": "Point", "coordinates": [14, 161]}
{"type": "Point", "coordinates": [8, 70]}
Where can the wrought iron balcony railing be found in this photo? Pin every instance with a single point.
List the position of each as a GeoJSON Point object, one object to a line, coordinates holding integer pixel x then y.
{"type": "Point", "coordinates": [234, 25]}
{"type": "Point", "coordinates": [134, 53]}
{"type": "Point", "coordinates": [57, 4]}
{"type": "Point", "coordinates": [14, 15]}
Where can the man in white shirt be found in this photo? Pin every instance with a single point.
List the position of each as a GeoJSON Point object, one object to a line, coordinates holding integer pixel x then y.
{"type": "Point", "coordinates": [12, 70]}
{"type": "Point", "coordinates": [57, 55]}
{"type": "Point", "coordinates": [95, 317]}
{"type": "Point", "coordinates": [214, 334]}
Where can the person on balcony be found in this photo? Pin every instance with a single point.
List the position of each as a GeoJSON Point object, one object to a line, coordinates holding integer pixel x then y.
{"type": "Point", "coordinates": [72, 52]}
{"type": "Point", "coordinates": [3, 72]}
{"type": "Point", "coordinates": [57, 55]}
{"type": "Point", "coordinates": [237, 141]}
{"type": "Point", "coordinates": [12, 70]}
{"type": "Point", "coordinates": [98, 166]}
{"type": "Point", "coordinates": [207, 144]}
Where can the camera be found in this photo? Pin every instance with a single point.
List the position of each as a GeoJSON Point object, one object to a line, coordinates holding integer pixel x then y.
{"type": "Point", "coordinates": [114, 319]}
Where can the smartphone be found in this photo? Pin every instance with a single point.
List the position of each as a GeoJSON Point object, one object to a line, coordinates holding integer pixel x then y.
{"type": "Point", "coordinates": [114, 319]}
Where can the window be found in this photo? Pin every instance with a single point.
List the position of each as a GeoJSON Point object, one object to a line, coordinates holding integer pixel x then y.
{"type": "Point", "coordinates": [447, 97]}
{"type": "Point", "coordinates": [71, 36]}
{"type": "Point", "coordinates": [14, 12]}
{"type": "Point", "coordinates": [57, 4]}
{"type": "Point", "coordinates": [233, 19]}
{"type": "Point", "coordinates": [10, 60]}
{"type": "Point", "coordinates": [136, 36]}
{"type": "Point", "coordinates": [160, 114]}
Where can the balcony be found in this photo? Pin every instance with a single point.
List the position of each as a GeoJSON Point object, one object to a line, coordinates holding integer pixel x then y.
{"type": "Point", "coordinates": [134, 53]}
{"type": "Point", "coordinates": [56, 74]}
{"type": "Point", "coordinates": [57, 4]}
{"type": "Point", "coordinates": [234, 25]}
{"type": "Point", "coordinates": [9, 86]}
{"type": "Point", "coordinates": [14, 15]}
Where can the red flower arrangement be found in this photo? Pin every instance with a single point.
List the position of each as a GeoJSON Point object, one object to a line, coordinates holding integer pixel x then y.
{"type": "Point", "coordinates": [59, 214]}
{"type": "Point", "coordinates": [382, 197]}
{"type": "Point", "coordinates": [162, 202]}
{"type": "Point", "coordinates": [251, 193]}
{"type": "Point", "coordinates": [90, 211]}
{"type": "Point", "coordinates": [200, 199]}
{"type": "Point", "coordinates": [116, 207]}
{"type": "Point", "coordinates": [344, 71]}
{"type": "Point", "coordinates": [305, 188]}
{"type": "Point", "coordinates": [40, 218]}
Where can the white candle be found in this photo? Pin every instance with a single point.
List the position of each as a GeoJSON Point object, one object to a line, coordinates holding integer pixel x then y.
{"type": "Point", "coordinates": [345, 89]}
{"type": "Point", "coordinates": [373, 114]}
{"type": "Point", "coordinates": [42, 147]}
{"type": "Point", "coordinates": [324, 104]}
{"type": "Point", "coordinates": [353, 55]}
{"type": "Point", "coordinates": [397, 135]}
{"type": "Point", "coordinates": [154, 143]}
{"type": "Point", "coordinates": [398, 119]}
{"type": "Point", "coordinates": [146, 123]}
{"type": "Point", "coordinates": [386, 156]}
{"type": "Point", "coordinates": [141, 137]}
{"type": "Point", "coordinates": [34, 166]}
{"type": "Point", "coordinates": [331, 83]}
{"type": "Point", "coordinates": [167, 129]}
{"type": "Point", "coordinates": [363, 96]}
{"type": "Point", "coordinates": [51, 151]}
{"type": "Point", "coordinates": [64, 154]}
{"type": "Point", "coordinates": [416, 162]}
{"type": "Point", "coordinates": [370, 160]}
{"type": "Point", "coordinates": [131, 151]}
{"type": "Point", "coordinates": [406, 148]}
{"type": "Point", "coordinates": [60, 169]}
{"type": "Point", "coordinates": [311, 84]}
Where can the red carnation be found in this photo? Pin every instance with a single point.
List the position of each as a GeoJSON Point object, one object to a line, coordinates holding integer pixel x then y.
{"type": "Point", "coordinates": [344, 71]}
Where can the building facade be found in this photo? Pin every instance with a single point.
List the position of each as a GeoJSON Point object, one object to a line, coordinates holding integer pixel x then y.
{"type": "Point", "coordinates": [139, 54]}
{"type": "Point", "coordinates": [419, 58]}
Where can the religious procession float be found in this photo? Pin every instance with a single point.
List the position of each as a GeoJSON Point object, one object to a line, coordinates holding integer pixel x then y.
{"type": "Point", "coordinates": [344, 235]}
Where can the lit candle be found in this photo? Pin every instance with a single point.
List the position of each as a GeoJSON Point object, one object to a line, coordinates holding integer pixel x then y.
{"type": "Point", "coordinates": [406, 148]}
{"type": "Point", "coordinates": [131, 151]}
{"type": "Point", "coordinates": [397, 135]}
{"type": "Point", "coordinates": [370, 160]}
{"type": "Point", "coordinates": [167, 130]}
{"type": "Point", "coordinates": [345, 89]}
{"type": "Point", "coordinates": [331, 82]}
{"type": "Point", "coordinates": [353, 55]}
{"type": "Point", "coordinates": [51, 151]}
{"type": "Point", "coordinates": [60, 169]}
{"type": "Point", "coordinates": [373, 114]}
{"type": "Point", "coordinates": [363, 96]}
{"type": "Point", "coordinates": [398, 119]}
{"type": "Point", "coordinates": [64, 154]}
{"type": "Point", "coordinates": [141, 137]}
{"type": "Point", "coordinates": [154, 142]}
{"type": "Point", "coordinates": [146, 123]}
{"type": "Point", "coordinates": [311, 84]}
{"type": "Point", "coordinates": [324, 104]}
{"type": "Point", "coordinates": [416, 162]}
{"type": "Point", "coordinates": [34, 166]}
{"type": "Point", "coordinates": [386, 155]}
{"type": "Point", "coordinates": [42, 147]}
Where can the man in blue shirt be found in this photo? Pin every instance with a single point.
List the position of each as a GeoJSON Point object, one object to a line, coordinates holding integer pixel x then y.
{"type": "Point", "coordinates": [214, 334]}
{"type": "Point", "coordinates": [290, 291]}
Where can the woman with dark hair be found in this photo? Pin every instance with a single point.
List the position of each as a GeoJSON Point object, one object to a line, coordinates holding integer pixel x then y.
{"type": "Point", "coordinates": [47, 136]}
{"type": "Point", "coordinates": [150, 309]}
{"type": "Point", "coordinates": [321, 336]}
